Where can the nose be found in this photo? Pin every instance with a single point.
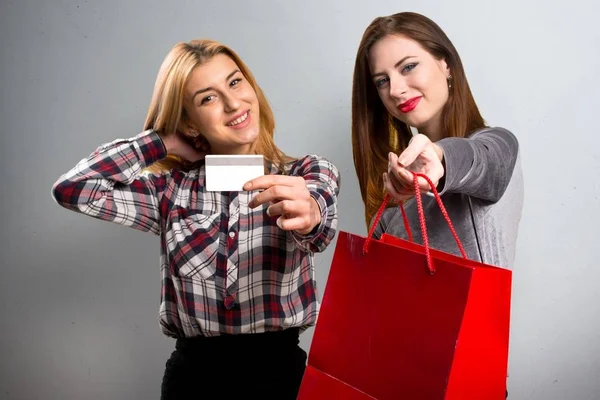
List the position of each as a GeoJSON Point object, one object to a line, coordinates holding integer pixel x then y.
{"type": "Point", "coordinates": [231, 102]}
{"type": "Point", "coordinates": [398, 87]}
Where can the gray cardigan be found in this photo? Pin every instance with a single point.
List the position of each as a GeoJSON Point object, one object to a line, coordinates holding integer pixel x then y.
{"type": "Point", "coordinates": [483, 193]}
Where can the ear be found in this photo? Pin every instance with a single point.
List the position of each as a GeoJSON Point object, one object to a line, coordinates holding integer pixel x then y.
{"type": "Point", "coordinates": [444, 67]}
{"type": "Point", "coordinates": [186, 127]}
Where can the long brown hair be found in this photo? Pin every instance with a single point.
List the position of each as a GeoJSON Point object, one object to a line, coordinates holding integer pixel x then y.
{"type": "Point", "coordinates": [167, 114]}
{"type": "Point", "coordinates": [374, 131]}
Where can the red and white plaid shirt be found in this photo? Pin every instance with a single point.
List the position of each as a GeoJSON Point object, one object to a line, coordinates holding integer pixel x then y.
{"type": "Point", "coordinates": [225, 268]}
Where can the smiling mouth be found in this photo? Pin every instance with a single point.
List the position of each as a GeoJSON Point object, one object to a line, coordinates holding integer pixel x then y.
{"type": "Point", "coordinates": [410, 105]}
{"type": "Point", "coordinates": [239, 120]}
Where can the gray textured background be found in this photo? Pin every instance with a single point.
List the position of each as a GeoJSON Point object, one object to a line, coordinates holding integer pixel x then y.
{"type": "Point", "coordinates": [79, 297]}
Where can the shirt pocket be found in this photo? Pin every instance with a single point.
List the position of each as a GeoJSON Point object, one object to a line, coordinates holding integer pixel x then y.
{"type": "Point", "coordinates": [192, 242]}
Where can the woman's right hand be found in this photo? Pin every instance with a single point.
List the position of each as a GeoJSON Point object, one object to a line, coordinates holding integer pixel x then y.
{"type": "Point", "coordinates": [421, 156]}
{"type": "Point", "coordinates": [187, 147]}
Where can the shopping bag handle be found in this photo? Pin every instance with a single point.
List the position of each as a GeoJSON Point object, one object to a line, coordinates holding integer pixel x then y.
{"type": "Point", "coordinates": [421, 213]}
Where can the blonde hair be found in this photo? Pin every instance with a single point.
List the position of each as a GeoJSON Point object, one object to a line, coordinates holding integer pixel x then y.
{"type": "Point", "coordinates": [166, 113]}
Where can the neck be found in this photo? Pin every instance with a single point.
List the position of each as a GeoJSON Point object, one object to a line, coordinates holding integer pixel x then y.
{"type": "Point", "coordinates": [233, 150]}
{"type": "Point", "coordinates": [434, 137]}
{"type": "Point", "coordinates": [433, 130]}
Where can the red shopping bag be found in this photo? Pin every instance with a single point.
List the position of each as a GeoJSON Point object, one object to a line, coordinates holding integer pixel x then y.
{"type": "Point", "coordinates": [399, 320]}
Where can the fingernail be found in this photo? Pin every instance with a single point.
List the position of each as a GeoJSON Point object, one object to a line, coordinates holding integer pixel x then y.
{"type": "Point", "coordinates": [269, 211]}
{"type": "Point", "coordinates": [279, 223]}
{"type": "Point", "coordinates": [247, 185]}
{"type": "Point", "coordinates": [402, 162]}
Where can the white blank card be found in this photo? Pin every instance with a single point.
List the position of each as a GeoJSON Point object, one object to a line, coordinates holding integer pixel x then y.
{"type": "Point", "coordinates": [228, 173]}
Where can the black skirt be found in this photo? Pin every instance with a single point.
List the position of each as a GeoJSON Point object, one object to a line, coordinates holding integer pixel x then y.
{"type": "Point", "coordinates": [255, 366]}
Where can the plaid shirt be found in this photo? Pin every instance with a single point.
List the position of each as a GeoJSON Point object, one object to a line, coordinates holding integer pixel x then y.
{"type": "Point", "coordinates": [225, 268]}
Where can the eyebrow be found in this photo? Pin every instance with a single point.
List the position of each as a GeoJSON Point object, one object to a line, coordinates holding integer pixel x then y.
{"type": "Point", "coordinates": [395, 66]}
{"type": "Point", "coordinates": [197, 92]}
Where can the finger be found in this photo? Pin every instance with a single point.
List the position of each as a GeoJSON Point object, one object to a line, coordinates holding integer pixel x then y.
{"type": "Point", "coordinates": [288, 208]}
{"type": "Point", "coordinates": [435, 174]}
{"type": "Point", "coordinates": [293, 224]}
{"type": "Point", "coordinates": [266, 181]}
{"type": "Point", "coordinates": [404, 183]}
{"type": "Point", "coordinates": [272, 194]}
{"type": "Point", "coordinates": [430, 167]}
{"type": "Point", "coordinates": [400, 185]}
{"type": "Point", "coordinates": [417, 145]}
{"type": "Point", "coordinates": [399, 174]}
{"type": "Point", "coordinates": [201, 143]}
{"type": "Point", "coordinates": [398, 195]}
{"type": "Point", "coordinates": [434, 170]}
{"type": "Point", "coordinates": [424, 185]}
{"type": "Point", "coordinates": [408, 189]}
{"type": "Point", "coordinates": [393, 165]}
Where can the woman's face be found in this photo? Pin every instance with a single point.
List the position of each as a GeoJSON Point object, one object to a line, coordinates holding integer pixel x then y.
{"type": "Point", "coordinates": [411, 83]}
{"type": "Point", "coordinates": [222, 105]}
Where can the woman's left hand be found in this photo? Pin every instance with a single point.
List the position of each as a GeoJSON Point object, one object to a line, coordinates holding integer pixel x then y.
{"type": "Point", "coordinates": [421, 156]}
{"type": "Point", "coordinates": [290, 200]}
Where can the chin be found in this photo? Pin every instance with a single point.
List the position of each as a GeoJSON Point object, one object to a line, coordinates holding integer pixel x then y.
{"type": "Point", "coordinates": [417, 122]}
{"type": "Point", "coordinates": [249, 137]}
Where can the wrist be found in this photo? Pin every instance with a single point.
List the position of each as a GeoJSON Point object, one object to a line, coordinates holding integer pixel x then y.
{"type": "Point", "coordinates": [168, 143]}
{"type": "Point", "coordinates": [316, 212]}
{"type": "Point", "coordinates": [315, 217]}
{"type": "Point", "coordinates": [439, 151]}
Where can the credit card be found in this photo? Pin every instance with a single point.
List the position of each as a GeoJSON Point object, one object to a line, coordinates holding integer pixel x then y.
{"type": "Point", "coordinates": [228, 173]}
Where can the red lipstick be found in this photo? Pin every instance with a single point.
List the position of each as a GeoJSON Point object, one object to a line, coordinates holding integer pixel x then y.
{"type": "Point", "coordinates": [409, 105]}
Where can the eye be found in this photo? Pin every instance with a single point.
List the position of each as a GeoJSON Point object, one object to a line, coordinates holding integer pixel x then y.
{"type": "Point", "coordinates": [409, 67]}
{"type": "Point", "coordinates": [380, 82]}
{"type": "Point", "coordinates": [235, 82]}
{"type": "Point", "coordinates": [207, 99]}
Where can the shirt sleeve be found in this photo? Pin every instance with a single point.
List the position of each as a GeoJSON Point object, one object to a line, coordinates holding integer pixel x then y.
{"type": "Point", "coordinates": [481, 165]}
{"type": "Point", "coordinates": [109, 184]}
{"type": "Point", "coordinates": [323, 183]}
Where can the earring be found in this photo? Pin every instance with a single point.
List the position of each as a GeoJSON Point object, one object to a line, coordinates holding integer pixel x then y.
{"type": "Point", "coordinates": [449, 79]}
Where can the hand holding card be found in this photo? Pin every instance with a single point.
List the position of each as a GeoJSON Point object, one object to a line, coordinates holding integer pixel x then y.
{"type": "Point", "coordinates": [289, 198]}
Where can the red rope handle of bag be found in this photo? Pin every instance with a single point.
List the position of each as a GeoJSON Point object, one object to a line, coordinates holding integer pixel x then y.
{"type": "Point", "coordinates": [422, 221]}
{"type": "Point", "coordinates": [378, 217]}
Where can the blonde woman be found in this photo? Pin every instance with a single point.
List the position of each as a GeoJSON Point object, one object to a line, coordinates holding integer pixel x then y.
{"type": "Point", "coordinates": [236, 267]}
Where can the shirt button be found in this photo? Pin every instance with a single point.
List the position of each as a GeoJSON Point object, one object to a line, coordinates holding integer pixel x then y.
{"type": "Point", "coordinates": [229, 302]}
{"type": "Point", "coordinates": [232, 234]}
